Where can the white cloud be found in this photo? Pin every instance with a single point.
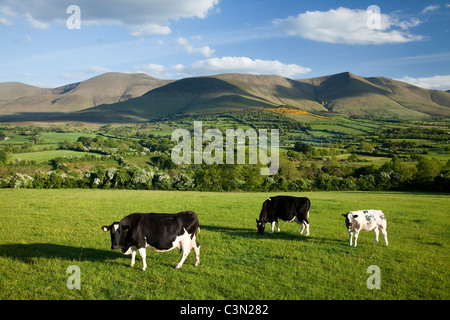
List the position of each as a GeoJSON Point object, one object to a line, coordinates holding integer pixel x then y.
{"type": "Point", "coordinates": [154, 70]}
{"type": "Point", "coordinates": [28, 75]}
{"type": "Point", "coordinates": [141, 17]}
{"type": "Point", "coordinates": [435, 82]}
{"type": "Point", "coordinates": [150, 29]}
{"type": "Point", "coordinates": [240, 65]}
{"type": "Point", "coordinates": [7, 11]}
{"type": "Point", "coordinates": [5, 22]}
{"type": "Point", "coordinates": [96, 69]}
{"type": "Point", "coordinates": [430, 8]}
{"type": "Point", "coordinates": [205, 50]}
{"type": "Point", "coordinates": [36, 23]}
{"type": "Point", "coordinates": [84, 73]}
{"type": "Point", "coordinates": [348, 26]}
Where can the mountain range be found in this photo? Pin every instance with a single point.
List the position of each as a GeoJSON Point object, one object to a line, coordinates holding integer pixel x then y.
{"type": "Point", "coordinates": [121, 97]}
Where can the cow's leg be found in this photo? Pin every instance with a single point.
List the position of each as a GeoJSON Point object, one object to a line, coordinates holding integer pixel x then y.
{"type": "Point", "coordinates": [143, 255]}
{"type": "Point", "coordinates": [350, 236]}
{"type": "Point", "coordinates": [302, 228]}
{"type": "Point", "coordinates": [196, 247]}
{"type": "Point", "coordinates": [132, 251]}
{"type": "Point", "coordinates": [185, 254]}
{"type": "Point", "coordinates": [356, 237]}
{"type": "Point", "coordinates": [304, 224]}
{"type": "Point", "coordinates": [133, 257]}
{"type": "Point", "coordinates": [185, 247]}
{"type": "Point", "coordinates": [384, 233]}
{"type": "Point", "coordinates": [376, 235]}
{"type": "Point", "coordinates": [273, 226]}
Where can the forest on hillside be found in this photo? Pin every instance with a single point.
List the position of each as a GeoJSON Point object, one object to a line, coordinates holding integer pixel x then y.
{"type": "Point", "coordinates": [328, 154]}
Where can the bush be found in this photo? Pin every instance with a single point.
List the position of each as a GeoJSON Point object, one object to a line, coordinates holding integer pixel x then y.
{"type": "Point", "coordinates": [122, 179]}
{"type": "Point", "coordinates": [302, 147]}
{"type": "Point", "coordinates": [141, 178]}
{"type": "Point", "coordinates": [299, 185]}
{"type": "Point", "coordinates": [183, 182]}
{"type": "Point", "coordinates": [162, 181]}
{"type": "Point", "coordinates": [18, 181]}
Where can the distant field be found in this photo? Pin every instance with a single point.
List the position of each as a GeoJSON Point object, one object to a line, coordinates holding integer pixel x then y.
{"type": "Point", "coordinates": [57, 137]}
{"type": "Point", "coordinates": [47, 137]}
{"type": "Point", "coordinates": [42, 156]}
{"type": "Point", "coordinates": [43, 232]}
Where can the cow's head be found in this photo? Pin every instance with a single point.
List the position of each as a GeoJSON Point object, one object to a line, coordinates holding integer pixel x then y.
{"type": "Point", "coordinates": [349, 219]}
{"type": "Point", "coordinates": [116, 231]}
{"type": "Point", "coordinates": [261, 225]}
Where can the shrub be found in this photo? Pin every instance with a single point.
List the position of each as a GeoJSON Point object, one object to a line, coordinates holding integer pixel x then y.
{"type": "Point", "coordinates": [141, 178]}
{"type": "Point", "coordinates": [183, 182]}
{"type": "Point", "coordinates": [162, 181]}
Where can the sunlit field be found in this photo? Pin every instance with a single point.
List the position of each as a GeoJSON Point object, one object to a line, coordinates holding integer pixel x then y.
{"type": "Point", "coordinates": [43, 232]}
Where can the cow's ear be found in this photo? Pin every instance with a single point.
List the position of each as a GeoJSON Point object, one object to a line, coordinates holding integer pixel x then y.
{"type": "Point", "coordinates": [106, 228]}
{"type": "Point", "coordinates": [344, 215]}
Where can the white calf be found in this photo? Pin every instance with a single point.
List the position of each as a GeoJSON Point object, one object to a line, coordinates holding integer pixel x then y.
{"type": "Point", "coordinates": [366, 220]}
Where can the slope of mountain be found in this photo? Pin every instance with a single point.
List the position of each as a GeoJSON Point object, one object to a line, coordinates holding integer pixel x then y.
{"type": "Point", "coordinates": [127, 97]}
{"type": "Point", "coordinates": [343, 93]}
{"type": "Point", "coordinates": [25, 100]}
{"type": "Point", "coordinates": [346, 93]}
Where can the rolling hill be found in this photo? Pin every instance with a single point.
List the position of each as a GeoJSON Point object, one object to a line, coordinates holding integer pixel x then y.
{"type": "Point", "coordinates": [19, 101]}
{"type": "Point", "coordinates": [116, 97]}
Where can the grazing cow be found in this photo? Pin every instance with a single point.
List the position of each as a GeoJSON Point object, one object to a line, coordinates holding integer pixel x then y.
{"type": "Point", "coordinates": [160, 232]}
{"type": "Point", "coordinates": [366, 220]}
{"type": "Point", "coordinates": [285, 208]}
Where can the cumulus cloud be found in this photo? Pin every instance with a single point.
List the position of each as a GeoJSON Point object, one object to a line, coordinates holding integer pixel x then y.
{"type": "Point", "coordinates": [150, 29]}
{"type": "Point", "coordinates": [96, 69]}
{"type": "Point", "coordinates": [142, 17]}
{"type": "Point", "coordinates": [7, 11]}
{"type": "Point", "coordinates": [434, 82]}
{"type": "Point", "coordinates": [154, 70]}
{"type": "Point", "coordinates": [430, 8]}
{"type": "Point", "coordinates": [84, 73]}
{"type": "Point", "coordinates": [5, 21]}
{"type": "Point", "coordinates": [205, 50]}
{"type": "Point", "coordinates": [240, 65]}
{"type": "Point", "coordinates": [36, 23]}
{"type": "Point", "coordinates": [348, 26]}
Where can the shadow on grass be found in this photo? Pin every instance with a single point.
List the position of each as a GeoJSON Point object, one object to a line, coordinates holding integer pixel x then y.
{"type": "Point", "coordinates": [27, 252]}
{"type": "Point", "coordinates": [253, 234]}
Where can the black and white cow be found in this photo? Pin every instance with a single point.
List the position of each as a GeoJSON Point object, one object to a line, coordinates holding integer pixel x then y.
{"type": "Point", "coordinates": [286, 208]}
{"type": "Point", "coordinates": [160, 232]}
{"type": "Point", "coordinates": [366, 220]}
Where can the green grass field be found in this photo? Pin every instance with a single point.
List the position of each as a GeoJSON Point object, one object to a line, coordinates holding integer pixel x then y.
{"type": "Point", "coordinates": [43, 232]}
{"type": "Point", "coordinates": [44, 156]}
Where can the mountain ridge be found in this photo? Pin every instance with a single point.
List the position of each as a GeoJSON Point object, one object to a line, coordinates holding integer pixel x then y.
{"type": "Point", "coordinates": [139, 97]}
{"type": "Point", "coordinates": [107, 88]}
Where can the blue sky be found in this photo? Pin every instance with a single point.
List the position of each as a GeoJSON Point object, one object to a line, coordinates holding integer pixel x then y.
{"type": "Point", "coordinates": [172, 39]}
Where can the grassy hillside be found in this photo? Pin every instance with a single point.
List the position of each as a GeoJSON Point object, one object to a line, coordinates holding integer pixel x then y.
{"type": "Point", "coordinates": [116, 97]}
{"type": "Point", "coordinates": [344, 93]}
{"type": "Point", "coordinates": [19, 101]}
{"type": "Point", "coordinates": [233, 257]}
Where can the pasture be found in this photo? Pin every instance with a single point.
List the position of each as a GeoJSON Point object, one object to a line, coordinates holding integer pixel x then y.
{"type": "Point", "coordinates": [43, 232]}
